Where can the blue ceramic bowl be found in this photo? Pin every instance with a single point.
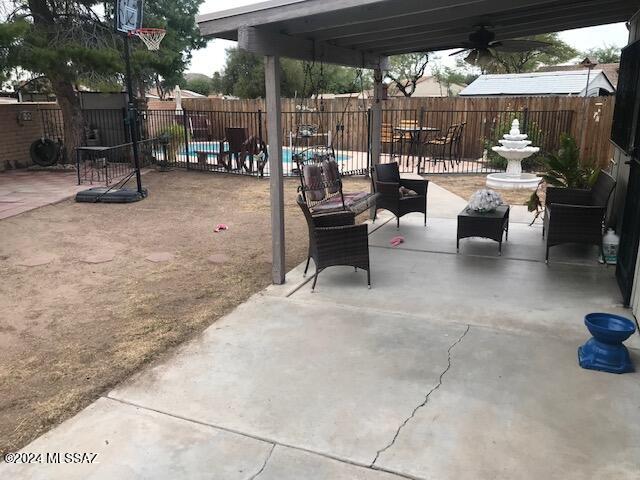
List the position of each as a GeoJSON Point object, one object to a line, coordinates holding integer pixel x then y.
{"type": "Point", "coordinates": [609, 328]}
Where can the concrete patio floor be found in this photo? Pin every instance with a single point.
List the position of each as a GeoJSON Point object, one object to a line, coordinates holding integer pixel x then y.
{"type": "Point", "coordinates": [452, 366]}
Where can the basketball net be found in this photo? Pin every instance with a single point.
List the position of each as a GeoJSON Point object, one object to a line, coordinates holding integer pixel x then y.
{"type": "Point", "coordinates": [150, 36]}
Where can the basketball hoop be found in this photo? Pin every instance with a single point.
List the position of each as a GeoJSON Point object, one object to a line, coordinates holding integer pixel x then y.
{"type": "Point", "coordinates": [150, 36]}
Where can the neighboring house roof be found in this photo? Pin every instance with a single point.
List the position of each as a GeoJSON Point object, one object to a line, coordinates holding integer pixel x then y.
{"type": "Point", "coordinates": [170, 95]}
{"type": "Point", "coordinates": [331, 96]}
{"type": "Point", "coordinates": [609, 69]}
{"type": "Point", "coordinates": [571, 82]}
{"type": "Point", "coordinates": [428, 86]}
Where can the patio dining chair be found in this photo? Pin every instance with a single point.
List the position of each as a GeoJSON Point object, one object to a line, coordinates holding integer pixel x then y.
{"type": "Point", "coordinates": [395, 192]}
{"type": "Point", "coordinates": [388, 136]}
{"type": "Point", "coordinates": [457, 142]}
{"type": "Point", "coordinates": [575, 215]}
{"type": "Point", "coordinates": [444, 148]}
{"type": "Point", "coordinates": [253, 150]}
{"type": "Point", "coordinates": [335, 239]}
{"type": "Point", "coordinates": [199, 126]}
{"type": "Point", "coordinates": [235, 138]}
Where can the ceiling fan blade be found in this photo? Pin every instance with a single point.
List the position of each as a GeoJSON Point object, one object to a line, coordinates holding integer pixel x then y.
{"type": "Point", "coordinates": [518, 45]}
{"type": "Point", "coordinates": [458, 52]}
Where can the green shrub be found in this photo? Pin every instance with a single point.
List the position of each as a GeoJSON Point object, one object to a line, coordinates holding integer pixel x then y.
{"type": "Point", "coordinates": [173, 136]}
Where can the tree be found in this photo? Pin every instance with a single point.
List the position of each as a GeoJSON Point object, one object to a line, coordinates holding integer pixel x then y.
{"type": "Point", "coordinates": [165, 67]}
{"type": "Point", "coordinates": [447, 76]}
{"type": "Point", "coordinates": [243, 76]}
{"type": "Point", "coordinates": [197, 82]}
{"type": "Point", "coordinates": [199, 85]}
{"type": "Point", "coordinates": [405, 71]}
{"type": "Point", "coordinates": [217, 83]}
{"type": "Point", "coordinates": [604, 54]}
{"type": "Point", "coordinates": [72, 44]}
{"type": "Point", "coordinates": [557, 52]}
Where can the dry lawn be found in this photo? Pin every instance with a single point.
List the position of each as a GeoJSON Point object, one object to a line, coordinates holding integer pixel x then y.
{"type": "Point", "coordinates": [465, 185]}
{"type": "Point", "coordinates": [70, 330]}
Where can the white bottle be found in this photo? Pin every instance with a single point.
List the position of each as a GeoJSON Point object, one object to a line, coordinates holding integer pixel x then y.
{"type": "Point", "coordinates": [610, 243]}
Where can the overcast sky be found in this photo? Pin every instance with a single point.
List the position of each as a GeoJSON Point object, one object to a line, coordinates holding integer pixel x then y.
{"type": "Point", "coordinates": [211, 58]}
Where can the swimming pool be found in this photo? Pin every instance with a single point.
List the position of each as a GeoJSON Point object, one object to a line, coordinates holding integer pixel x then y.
{"type": "Point", "coordinates": [214, 147]}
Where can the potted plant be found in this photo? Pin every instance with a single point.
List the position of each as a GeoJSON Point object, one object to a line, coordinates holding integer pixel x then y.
{"type": "Point", "coordinates": [564, 170]}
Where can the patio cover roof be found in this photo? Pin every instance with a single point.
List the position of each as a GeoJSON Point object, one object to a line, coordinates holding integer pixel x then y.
{"type": "Point", "coordinates": [362, 32]}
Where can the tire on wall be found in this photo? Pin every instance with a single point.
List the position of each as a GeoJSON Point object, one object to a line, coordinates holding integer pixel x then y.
{"type": "Point", "coordinates": [44, 152]}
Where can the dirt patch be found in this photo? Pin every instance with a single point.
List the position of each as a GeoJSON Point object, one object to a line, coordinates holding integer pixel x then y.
{"type": "Point", "coordinates": [71, 329]}
{"type": "Point", "coordinates": [465, 185]}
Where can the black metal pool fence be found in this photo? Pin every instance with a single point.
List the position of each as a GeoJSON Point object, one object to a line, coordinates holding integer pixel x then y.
{"type": "Point", "coordinates": [421, 141]}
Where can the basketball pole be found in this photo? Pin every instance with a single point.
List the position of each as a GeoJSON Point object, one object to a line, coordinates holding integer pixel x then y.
{"type": "Point", "coordinates": [132, 113]}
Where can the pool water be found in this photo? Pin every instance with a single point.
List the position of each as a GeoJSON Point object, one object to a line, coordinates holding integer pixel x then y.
{"type": "Point", "coordinates": [213, 147]}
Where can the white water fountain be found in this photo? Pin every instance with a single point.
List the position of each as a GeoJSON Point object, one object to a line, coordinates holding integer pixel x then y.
{"type": "Point", "coordinates": [514, 147]}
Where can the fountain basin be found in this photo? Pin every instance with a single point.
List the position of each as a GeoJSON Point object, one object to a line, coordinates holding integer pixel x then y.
{"type": "Point", "coordinates": [515, 137]}
{"type": "Point", "coordinates": [511, 181]}
{"type": "Point", "coordinates": [514, 144]}
{"type": "Point", "coordinates": [515, 153]}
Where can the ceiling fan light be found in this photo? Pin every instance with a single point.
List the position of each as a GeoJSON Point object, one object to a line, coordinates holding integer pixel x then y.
{"type": "Point", "coordinates": [472, 58]}
{"type": "Point", "coordinates": [483, 58]}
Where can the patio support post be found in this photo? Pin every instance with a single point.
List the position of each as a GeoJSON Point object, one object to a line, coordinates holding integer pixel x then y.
{"type": "Point", "coordinates": [376, 124]}
{"type": "Point", "coordinates": [274, 134]}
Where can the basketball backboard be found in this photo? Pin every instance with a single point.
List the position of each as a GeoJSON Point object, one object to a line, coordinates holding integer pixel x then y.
{"type": "Point", "coordinates": [128, 15]}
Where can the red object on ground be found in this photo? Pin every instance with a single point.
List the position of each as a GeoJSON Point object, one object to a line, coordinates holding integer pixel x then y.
{"type": "Point", "coordinates": [220, 227]}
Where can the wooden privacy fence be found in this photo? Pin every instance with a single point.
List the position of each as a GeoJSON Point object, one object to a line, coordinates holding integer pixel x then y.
{"type": "Point", "coordinates": [588, 120]}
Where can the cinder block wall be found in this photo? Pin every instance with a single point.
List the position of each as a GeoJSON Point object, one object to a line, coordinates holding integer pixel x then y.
{"type": "Point", "coordinates": [16, 136]}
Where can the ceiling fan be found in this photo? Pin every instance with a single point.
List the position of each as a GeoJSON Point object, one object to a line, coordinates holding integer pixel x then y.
{"type": "Point", "coordinates": [482, 46]}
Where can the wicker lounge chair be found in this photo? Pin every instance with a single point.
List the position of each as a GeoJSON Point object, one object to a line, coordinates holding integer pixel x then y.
{"type": "Point", "coordinates": [575, 215]}
{"type": "Point", "coordinates": [387, 183]}
{"type": "Point", "coordinates": [334, 239]}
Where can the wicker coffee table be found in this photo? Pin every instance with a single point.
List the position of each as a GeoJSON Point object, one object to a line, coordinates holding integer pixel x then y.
{"type": "Point", "coordinates": [487, 225]}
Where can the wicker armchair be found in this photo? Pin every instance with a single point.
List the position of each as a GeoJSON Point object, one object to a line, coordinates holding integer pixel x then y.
{"type": "Point", "coordinates": [334, 239]}
{"type": "Point", "coordinates": [575, 215]}
{"type": "Point", "coordinates": [387, 182]}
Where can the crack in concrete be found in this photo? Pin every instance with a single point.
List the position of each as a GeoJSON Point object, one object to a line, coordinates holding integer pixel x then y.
{"type": "Point", "coordinates": [264, 465]}
{"type": "Point", "coordinates": [426, 399]}
{"type": "Point", "coordinates": [270, 441]}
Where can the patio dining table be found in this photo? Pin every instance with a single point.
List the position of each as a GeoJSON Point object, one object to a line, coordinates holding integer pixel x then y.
{"type": "Point", "coordinates": [415, 137]}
